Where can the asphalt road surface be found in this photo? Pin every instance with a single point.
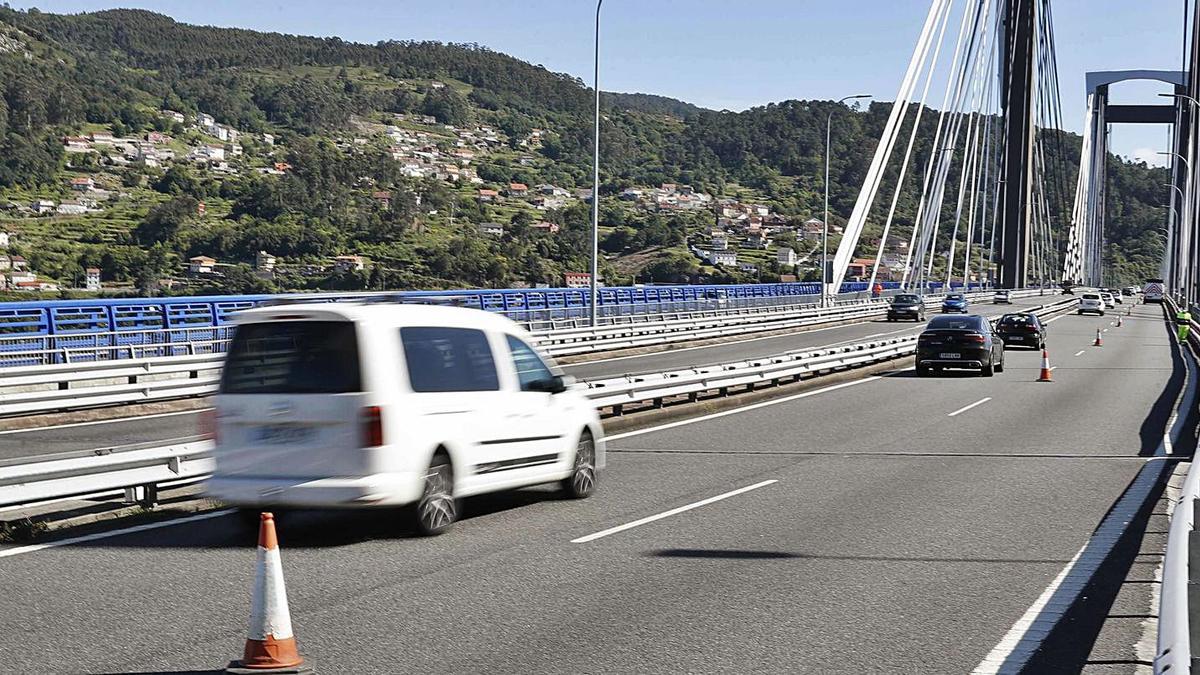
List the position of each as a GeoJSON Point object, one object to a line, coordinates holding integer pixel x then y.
{"type": "Point", "coordinates": [893, 524]}
{"type": "Point", "coordinates": [155, 428]}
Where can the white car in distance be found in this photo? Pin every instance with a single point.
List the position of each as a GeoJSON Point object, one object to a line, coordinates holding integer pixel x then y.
{"type": "Point", "coordinates": [374, 404]}
{"type": "Point", "coordinates": [1091, 303]}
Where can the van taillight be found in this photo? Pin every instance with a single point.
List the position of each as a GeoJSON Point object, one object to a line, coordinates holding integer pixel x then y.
{"type": "Point", "coordinates": [207, 424]}
{"type": "Point", "coordinates": [372, 421]}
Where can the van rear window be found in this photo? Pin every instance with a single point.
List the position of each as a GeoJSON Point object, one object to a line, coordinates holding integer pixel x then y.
{"type": "Point", "coordinates": [293, 357]}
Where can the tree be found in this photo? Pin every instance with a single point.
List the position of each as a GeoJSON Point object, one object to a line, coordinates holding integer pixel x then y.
{"type": "Point", "coordinates": [447, 106]}
{"type": "Point", "coordinates": [163, 221]}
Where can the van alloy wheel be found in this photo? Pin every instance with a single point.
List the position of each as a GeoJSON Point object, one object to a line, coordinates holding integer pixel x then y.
{"type": "Point", "coordinates": [437, 510]}
{"type": "Point", "coordinates": [582, 481]}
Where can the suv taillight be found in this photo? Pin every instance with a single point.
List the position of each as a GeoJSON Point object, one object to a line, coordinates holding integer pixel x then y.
{"type": "Point", "coordinates": [207, 425]}
{"type": "Point", "coordinates": [372, 426]}
{"type": "Point", "coordinates": [975, 337]}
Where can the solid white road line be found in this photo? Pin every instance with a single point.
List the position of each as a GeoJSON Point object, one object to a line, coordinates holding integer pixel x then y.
{"type": "Point", "coordinates": [116, 420]}
{"type": "Point", "coordinates": [33, 548]}
{"type": "Point", "coordinates": [1080, 352]}
{"type": "Point", "coordinates": [734, 411]}
{"type": "Point", "coordinates": [672, 512]}
{"type": "Point", "coordinates": [968, 407]}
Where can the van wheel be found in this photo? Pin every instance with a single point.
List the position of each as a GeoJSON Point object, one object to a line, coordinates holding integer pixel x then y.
{"type": "Point", "coordinates": [582, 481]}
{"type": "Point", "coordinates": [437, 509]}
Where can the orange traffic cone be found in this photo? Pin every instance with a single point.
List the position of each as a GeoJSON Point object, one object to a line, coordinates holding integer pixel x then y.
{"type": "Point", "coordinates": [1045, 377]}
{"type": "Point", "coordinates": [1098, 342]}
{"type": "Point", "coordinates": [1119, 321]}
{"type": "Point", "coordinates": [270, 644]}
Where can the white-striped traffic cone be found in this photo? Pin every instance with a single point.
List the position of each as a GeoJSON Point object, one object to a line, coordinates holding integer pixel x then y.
{"type": "Point", "coordinates": [270, 643]}
{"type": "Point", "coordinates": [1098, 342]}
{"type": "Point", "coordinates": [1119, 322]}
{"type": "Point", "coordinates": [1045, 376]}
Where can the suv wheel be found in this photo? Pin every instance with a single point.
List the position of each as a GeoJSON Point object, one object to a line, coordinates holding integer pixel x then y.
{"type": "Point", "coordinates": [988, 370]}
{"type": "Point", "coordinates": [922, 371]}
{"type": "Point", "coordinates": [582, 481]}
{"type": "Point", "coordinates": [437, 509]}
{"type": "Point", "coordinates": [1000, 366]}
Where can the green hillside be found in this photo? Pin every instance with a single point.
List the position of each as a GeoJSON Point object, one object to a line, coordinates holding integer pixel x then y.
{"type": "Point", "coordinates": [438, 165]}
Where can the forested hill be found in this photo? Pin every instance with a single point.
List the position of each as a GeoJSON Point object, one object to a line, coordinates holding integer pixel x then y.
{"type": "Point", "coordinates": [123, 71]}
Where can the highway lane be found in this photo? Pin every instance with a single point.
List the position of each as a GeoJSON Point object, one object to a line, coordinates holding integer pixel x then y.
{"type": "Point", "coordinates": [758, 347]}
{"type": "Point", "coordinates": [895, 539]}
{"type": "Point", "coordinates": [149, 429]}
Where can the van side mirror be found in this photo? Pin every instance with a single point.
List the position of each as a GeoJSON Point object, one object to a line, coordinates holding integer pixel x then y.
{"type": "Point", "coordinates": [553, 385]}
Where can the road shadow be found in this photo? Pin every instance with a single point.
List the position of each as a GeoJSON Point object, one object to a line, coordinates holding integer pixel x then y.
{"type": "Point", "coordinates": [218, 671]}
{"type": "Point", "coordinates": [937, 375]}
{"type": "Point", "coordinates": [743, 554]}
{"type": "Point", "coordinates": [1151, 432]}
{"type": "Point", "coordinates": [314, 529]}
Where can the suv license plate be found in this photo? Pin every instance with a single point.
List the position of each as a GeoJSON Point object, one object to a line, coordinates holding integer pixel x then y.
{"type": "Point", "coordinates": [948, 355]}
{"type": "Point", "coordinates": [279, 434]}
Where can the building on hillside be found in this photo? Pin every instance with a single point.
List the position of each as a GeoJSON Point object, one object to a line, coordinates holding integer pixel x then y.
{"type": "Point", "coordinates": [76, 144]}
{"type": "Point", "coordinates": [102, 138]}
{"type": "Point", "coordinates": [546, 227]}
{"type": "Point", "coordinates": [748, 268]}
{"type": "Point", "coordinates": [491, 229]}
{"type": "Point", "coordinates": [43, 206]}
{"type": "Point", "coordinates": [488, 195]}
{"type": "Point", "coordinates": [518, 189]}
{"type": "Point", "coordinates": [577, 279]}
{"type": "Point", "coordinates": [264, 261]}
{"type": "Point", "coordinates": [348, 263]}
{"type": "Point", "coordinates": [383, 198]}
{"type": "Point", "coordinates": [723, 257]}
{"type": "Point", "coordinates": [83, 183]}
{"type": "Point", "coordinates": [201, 264]}
{"type": "Point", "coordinates": [71, 208]}
{"type": "Point", "coordinates": [18, 263]}
{"type": "Point", "coordinates": [785, 256]}
{"type": "Point", "coordinates": [91, 279]}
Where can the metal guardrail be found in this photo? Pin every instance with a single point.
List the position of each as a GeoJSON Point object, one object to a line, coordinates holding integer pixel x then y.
{"type": "Point", "coordinates": [1173, 650]}
{"type": "Point", "coordinates": [114, 469]}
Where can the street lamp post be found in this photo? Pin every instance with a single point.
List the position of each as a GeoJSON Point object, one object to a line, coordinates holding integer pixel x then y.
{"type": "Point", "coordinates": [825, 223]}
{"type": "Point", "coordinates": [593, 295]}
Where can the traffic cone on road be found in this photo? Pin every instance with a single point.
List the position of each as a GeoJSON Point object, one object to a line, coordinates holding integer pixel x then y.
{"type": "Point", "coordinates": [1045, 376]}
{"type": "Point", "coordinates": [1098, 342]}
{"type": "Point", "coordinates": [1119, 322]}
{"type": "Point", "coordinates": [270, 644]}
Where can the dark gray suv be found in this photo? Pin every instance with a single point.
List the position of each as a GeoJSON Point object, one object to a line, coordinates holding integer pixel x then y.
{"type": "Point", "coordinates": [906, 306]}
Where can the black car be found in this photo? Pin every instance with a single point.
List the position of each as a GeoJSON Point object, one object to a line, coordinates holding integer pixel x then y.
{"type": "Point", "coordinates": [959, 342]}
{"type": "Point", "coordinates": [1021, 330]}
{"type": "Point", "coordinates": [906, 306]}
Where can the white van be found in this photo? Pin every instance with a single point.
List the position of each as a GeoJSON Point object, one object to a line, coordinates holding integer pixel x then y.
{"type": "Point", "coordinates": [371, 404]}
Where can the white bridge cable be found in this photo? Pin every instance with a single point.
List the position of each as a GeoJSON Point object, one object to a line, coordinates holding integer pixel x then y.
{"type": "Point", "coordinates": [883, 151]}
{"type": "Point", "coordinates": [968, 66]}
{"type": "Point", "coordinates": [912, 137]}
{"type": "Point", "coordinates": [935, 154]}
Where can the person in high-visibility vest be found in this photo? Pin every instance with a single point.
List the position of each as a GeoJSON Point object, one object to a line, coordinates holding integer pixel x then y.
{"type": "Point", "coordinates": [878, 289]}
{"type": "Point", "coordinates": [1183, 323]}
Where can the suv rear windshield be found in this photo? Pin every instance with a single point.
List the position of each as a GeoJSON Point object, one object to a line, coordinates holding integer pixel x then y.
{"type": "Point", "coordinates": [907, 300]}
{"type": "Point", "coordinates": [293, 357]}
{"type": "Point", "coordinates": [1090, 296]}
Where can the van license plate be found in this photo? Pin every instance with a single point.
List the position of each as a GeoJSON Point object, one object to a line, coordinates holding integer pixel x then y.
{"type": "Point", "coordinates": [947, 355]}
{"type": "Point", "coordinates": [279, 434]}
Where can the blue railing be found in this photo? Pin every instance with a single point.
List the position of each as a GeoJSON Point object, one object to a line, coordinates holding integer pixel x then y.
{"type": "Point", "coordinates": [80, 322]}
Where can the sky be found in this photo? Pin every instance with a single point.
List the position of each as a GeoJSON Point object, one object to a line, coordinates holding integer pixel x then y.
{"type": "Point", "coordinates": [722, 55]}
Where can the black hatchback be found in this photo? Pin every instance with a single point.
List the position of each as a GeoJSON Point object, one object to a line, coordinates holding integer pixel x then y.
{"type": "Point", "coordinates": [1021, 330]}
{"type": "Point", "coordinates": [906, 306]}
{"type": "Point", "coordinates": [959, 342]}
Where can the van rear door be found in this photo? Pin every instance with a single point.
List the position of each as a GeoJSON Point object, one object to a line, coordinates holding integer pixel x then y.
{"type": "Point", "coordinates": [291, 402]}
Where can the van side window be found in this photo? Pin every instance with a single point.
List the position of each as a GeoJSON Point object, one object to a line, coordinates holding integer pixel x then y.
{"type": "Point", "coordinates": [448, 359]}
{"type": "Point", "coordinates": [529, 366]}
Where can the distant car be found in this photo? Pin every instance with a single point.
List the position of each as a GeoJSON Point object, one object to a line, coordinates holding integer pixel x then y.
{"type": "Point", "coordinates": [1129, 291]}
{"type": "Point", "coordinates": [1021, 330]}
{"type": "Point", "coordinates": [372, 405]}
{"type": "Point", "coordinates": [1115, 293]}
{"type": "Point", "coordinates": [955, 303]}
{"type": "Point", "coordinates": [1091, 303]}
{"type": "Point", "coordinates": [1109, 302]}
{"type": "Point", "coordinates": [906, 306]}
{"type": "Point", "coordinates": [959, 342]}
{"type": "Point", "coordinates": [1002, 297]}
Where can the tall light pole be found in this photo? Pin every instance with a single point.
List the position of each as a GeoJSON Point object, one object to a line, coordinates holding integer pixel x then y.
{"type": "Point", "coordinates": [1186, 216]}
{"type": "Point", "coordinates": [825, 223]}
{"type": "Point", "coordinates": [595, 176]}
